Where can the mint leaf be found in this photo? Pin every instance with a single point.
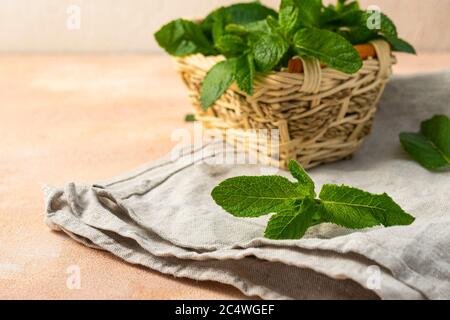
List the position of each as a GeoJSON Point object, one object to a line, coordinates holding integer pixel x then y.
{"type": "Point", "coordinates": [189, 118]}
{"type": "Point", "coordinates": [356, 209]}
{"type": "Point", "coordinates": [259, 27]}
{"type": "Point", "coordinates": [216, 82]}
{"type": "Point", "coordinates": [337, 15]}
{"type": "Point", "coordinates": [431, 146]}
{"type": "Point", "coordinates": [273, 24]}
{"type": "Point", "coordinates": [244, 13]}
{"type": "Point", "coordinates": [358, 35]}
{"type": "Point", "coordinates": [343, 6]}
{"type": "Point", "coordinates": [245, 73]}
{"type": "Point", "coordinates": [268, 51]}
{"type": "Point", "coordinates": [306, 185]}
{"type": "Point", "coordinates": [309, 12]}
{"type": "Point", "coordinates": [240, 14]}
{"type": "Point", "coordinates": [400, 45]}
{"type": "Point", "coordinates": [352, 23]}
{"type": "Point", "coordinates": [289, 17]}
{"type": "Point", "coordinates": [181, 38]}
{"type": "Point", "coordinates": [254, 196]}
{"type": "Point", "coordinates": [237, 29]}
{"type": "Point", "coordinates": [231, 45]}
{"type": "Point", "coordinates": [219, 22]}
{"type": "Point", "coordinates": [364, 19]}
{"type": "Point", "coordinates": [330, 48]}
{"type": "Point", "coordinates": [292, 222]}
{"type": "Point", "coordinates": [388, 27]}
{"type": "Point", "coordinates": [300, 13]}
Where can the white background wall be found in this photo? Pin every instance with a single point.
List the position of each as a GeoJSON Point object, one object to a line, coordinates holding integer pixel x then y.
{"type": "Point", "coordinates": [128, 25]}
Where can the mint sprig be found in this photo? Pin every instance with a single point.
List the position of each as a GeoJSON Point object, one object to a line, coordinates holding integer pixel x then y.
{"type": "Point", "coordinates": [296, 208]}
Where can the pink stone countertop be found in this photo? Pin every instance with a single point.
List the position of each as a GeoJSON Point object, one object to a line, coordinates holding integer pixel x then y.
{"type": "Point", "coordinates": [86, 118]}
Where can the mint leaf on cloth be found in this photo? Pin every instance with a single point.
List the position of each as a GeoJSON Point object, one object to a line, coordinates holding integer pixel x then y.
{"type": "Point", "coordinates": [431, 146]}
{"type": "Point", "coordinates": [216, 82]}
{"type": "Point", "coordinates": [182, 37]}
{"type": "Point", "coordinates": [330, 48]}
{"type": "Point", "coordinates": [255, 196]}
{"type": "Point", "coordinates": [292, 222]}
{"type": "Point", "coordinates": [357, 209]}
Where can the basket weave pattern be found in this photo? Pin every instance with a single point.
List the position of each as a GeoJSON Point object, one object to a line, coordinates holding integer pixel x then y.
{"type": "Point", "coordinates": [322, 115]}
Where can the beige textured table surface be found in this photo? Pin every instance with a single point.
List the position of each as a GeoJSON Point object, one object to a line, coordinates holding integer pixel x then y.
{"type": "Point", "coordinates": [87, 118]}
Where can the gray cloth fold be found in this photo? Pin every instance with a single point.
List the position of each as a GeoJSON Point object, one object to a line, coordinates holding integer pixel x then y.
{"type": "Point", "coordinates": [162, 216]}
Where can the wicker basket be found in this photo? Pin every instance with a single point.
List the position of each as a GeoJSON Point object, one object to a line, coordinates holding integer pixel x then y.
{"type": "Point", "coordinates": [322, 115]}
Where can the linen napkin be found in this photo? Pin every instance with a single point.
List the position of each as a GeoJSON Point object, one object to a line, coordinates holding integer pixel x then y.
{"type": "Point", "coordinates": [162, 216]}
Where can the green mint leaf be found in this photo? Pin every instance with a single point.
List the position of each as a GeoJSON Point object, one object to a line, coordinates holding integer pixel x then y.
{"type": "Point", "coordinates": [189, 118]}
{"type": "Point", "coordinates": [244, 13]}
{"type": "Point", "coordinates": [388, 27]}
{"type": "Point", "coordinates": [240, 14]}
{"type": "Point", "coordinates": [304, 13]}
{"type": "Point", "coordinates": [431, 146]}
{"type": "Point", "coordinates": [306, 185]}
{"type": "Point", "coordinates": [258, 27]}
{"type": "Point", "coordinates": [237, 29]}
{"type": "Point", "coordinates": [343, 6]}
{"type": "Point", "coordinates": [292, 221]}
{"type": "Point", "coordinates": [216, 82]}
{"type": "Point", "coordinates": [353, 24]}
{"type": "Point", "coordinates": [330, 48]}
{"type": "Point", "coordinates": [219, 22]}
{"type": "Point", "coordinates": [358, 35]}
{"type": "Point", "coordinates": [268, 51]}
{"type": "Point", "coordinates": [181, 38]}
{"type": "Point", "coordinates": [255, 196]}
{"type": "Point", "coordinates": [273, 24]}
{"type": "Point", "coordinates": [357, 209]}
{"type": "Point", "coordinates": [289, 17]}
{"type": "Point", "coordinates": [333, 16]}
{"type": "Point", "coordinates": [231, 45]}
{"type": "Point", "coordinates": [400, 45]}
{"type": "Point", "coordinates": [245, 73]}
{"type": "Point", "coordinates": [309, 12]}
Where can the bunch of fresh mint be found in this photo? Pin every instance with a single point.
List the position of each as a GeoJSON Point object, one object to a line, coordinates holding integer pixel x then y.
{"type": "Point", "coordinates": [254, 38]}
{"type": "Point", "coordinates": [297, 209]}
